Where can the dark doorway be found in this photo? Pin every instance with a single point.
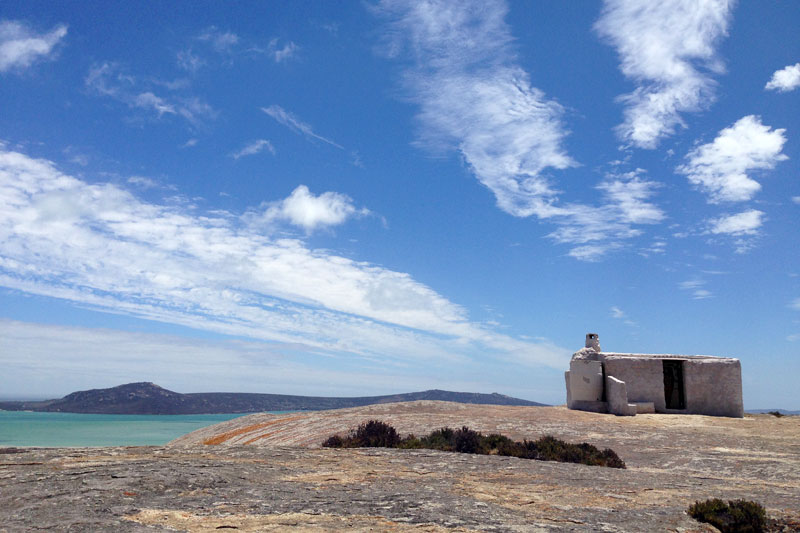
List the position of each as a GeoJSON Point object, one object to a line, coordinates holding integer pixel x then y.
{"type": "Point", "coordinates": [673, 384]}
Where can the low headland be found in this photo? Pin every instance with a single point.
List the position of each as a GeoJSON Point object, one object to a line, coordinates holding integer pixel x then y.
{"type": "Point", "coordinates": [149, 399]}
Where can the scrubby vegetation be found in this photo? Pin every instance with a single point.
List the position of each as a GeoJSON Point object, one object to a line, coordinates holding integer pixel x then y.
{"type": "Point", "coordinates": [465, 440]}
{"type": "Point", "coordinates": [776, 414]}
{"type": "Point", "coordinates": [735, 516]}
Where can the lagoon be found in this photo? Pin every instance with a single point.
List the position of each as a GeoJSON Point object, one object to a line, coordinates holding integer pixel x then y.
{"type": "Point", "coordinates": [26, 428]}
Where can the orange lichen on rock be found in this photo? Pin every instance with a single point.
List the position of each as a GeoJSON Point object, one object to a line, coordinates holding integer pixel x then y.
{"type": "Point", "coordinates": [223, 437]}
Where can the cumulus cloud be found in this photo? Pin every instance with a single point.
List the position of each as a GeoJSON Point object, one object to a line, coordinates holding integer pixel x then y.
{"type": "Point", "coordinates": [309, 212]}
{"type": "Point", "coordinates": [20, 46]}
{"type": "Point", "coordinates": [108, 79]}
{"type": "Point", "coordinates": [669, 49]}
{"type": "Point", "coordinates": [744, 223]}
{"type": "Point", "coordinates": [254, 148]}
{"type": "Point", "coordinates": [785, 80]}
{"type": "Point", "coordinates": [475, 98]}
{"type": "Point", "coordinates": [289, 120]}
{"type": "Point", "coordinates": [100, 246]}
{"type": "Point", "coordinates": [720, 168]}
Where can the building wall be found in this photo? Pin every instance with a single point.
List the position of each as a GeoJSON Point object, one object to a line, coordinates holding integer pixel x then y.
{"type": "Point", "coordinates": [644, 378]}
{"type": "Point", "coordinates": [712, 386]}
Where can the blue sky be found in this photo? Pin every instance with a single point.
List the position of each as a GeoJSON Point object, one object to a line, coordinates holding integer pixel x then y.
{"type": "Point", "coordinates": [368, 198]}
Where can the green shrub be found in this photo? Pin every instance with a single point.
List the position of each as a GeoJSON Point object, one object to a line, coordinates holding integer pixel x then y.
{"type": "Point", "coordinates": [776, 414]}
{"type": "Point", "coordinates": [468, 441]}
{"type": "Point", "coordinates": [465, 440]}
{"type": "Point", "coordinates": [372, 434]}
{"type": "Point", "coordinates": [735, 516]}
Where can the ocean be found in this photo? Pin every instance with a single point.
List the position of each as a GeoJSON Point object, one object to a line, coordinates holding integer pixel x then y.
{"type": "Point", "coordinates": [25, 428]}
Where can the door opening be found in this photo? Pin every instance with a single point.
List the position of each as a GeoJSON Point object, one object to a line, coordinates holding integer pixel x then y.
{"type": "Point", "coordinates": [673, 384]}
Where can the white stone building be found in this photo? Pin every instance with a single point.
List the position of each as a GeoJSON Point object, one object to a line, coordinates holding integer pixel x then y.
{"type": "Point", "coordinates": [626, 383]}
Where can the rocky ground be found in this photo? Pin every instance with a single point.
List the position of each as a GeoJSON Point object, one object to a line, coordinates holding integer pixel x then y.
{"type": "Point", "coordinates": [267, 473]}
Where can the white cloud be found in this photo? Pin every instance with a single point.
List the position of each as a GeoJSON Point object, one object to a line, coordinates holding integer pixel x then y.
{"type": "Point", "coordinates": [796, 199]}
{"type": "Point", "coordinates": [100, 246]}
{"type": "Point", "coordinates": [795, 304]}
{"type": "Point", "coordinates": [253, 148]}
{"type": "Point", "coordinates": [785, 80]}
{"type": "Point", "coordinates": [619, 314]}
{"type": "Point", "coordinates": [282, 53]}
{"type": "Point", "coordinates": [107, 79]}
{"type": "Point", "coordinates": [662, 47]}
{"type": "Point", "coordinates": [475, 98]}
{"type": "Point", "coordinates": [188, 60]}
{"type": "Point", "coordinates": [696, 287]}
{"type": "Point", "coordinates": [307, 211]}
{"type": "Point", "coordinates": [222, 41]}
{"type": "Point", "coordinates": [46, 361]}
{"type": "Point", "coordinates": [295, 124]}
{"type": "Point", "coordinates": [20, 46]}
{"type": "Point", "coordinates": [150, 101]}
{"type": "Point", "coordinates": [720, 168]}
{"type": "Point", "coordinates": [744, 223]}
{"type": "Point", "coordinates": [190, 143]}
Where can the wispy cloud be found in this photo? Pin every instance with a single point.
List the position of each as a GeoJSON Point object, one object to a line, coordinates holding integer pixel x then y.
{"type": "Point", "coordinates": [108, 79]}
{"type": "Point", "coordinates": [295, 124]}
{"type": "Point", "coordinates": [307, 211]}
{"type": "Point", "coordinates": [619, 314]}
{"type": "Point", "coordinates": [20, 46]}
{"type": "Point", "coordinates": [189, 61]}
{"type": "Point", "coordinates": [281, 53]}
{"type": "Point", "coordinates": [222, 41]}
{"type": "Point", "coordinates": [796, 199]}
{"type": "Point", "coordinates": [720, 168]}
{"type": "Point", "coordinates": [795, 304]}
{"type": "Point", "coordinates": [785, 80]}
{"type": "Point", "coordinates": [144, 182]}
{"type": "Point", "coordinates": [254, 148]}
{"type": "Point", "coordinates": [100, 246]}
{"type": "Point", "coordinates": [475, 98]}
{"type": "Point", "coordinates": [669, 49]}
{"type": "Point", "coordinates": [697, 288]}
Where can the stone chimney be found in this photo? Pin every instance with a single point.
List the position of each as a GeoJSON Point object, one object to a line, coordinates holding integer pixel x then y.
{"type": "Point", "coordinates": [593, 342]}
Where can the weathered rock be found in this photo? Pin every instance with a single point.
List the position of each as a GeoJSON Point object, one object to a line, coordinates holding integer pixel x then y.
{"type": "Point", "coordinates": [672, 460]}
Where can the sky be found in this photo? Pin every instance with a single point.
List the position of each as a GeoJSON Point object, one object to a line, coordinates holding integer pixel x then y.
{"type": "Point", "coordinates": [363, 198]}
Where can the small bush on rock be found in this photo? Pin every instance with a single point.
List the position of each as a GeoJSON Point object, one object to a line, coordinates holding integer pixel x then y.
{"type": "Point", "coordinates": [735, 516]}
{"type": "Point", "coordinates": [465, 440]}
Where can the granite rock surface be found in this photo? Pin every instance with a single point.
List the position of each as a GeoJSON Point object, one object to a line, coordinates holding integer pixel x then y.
{"type": "Point", "coordinates": [212, 480]}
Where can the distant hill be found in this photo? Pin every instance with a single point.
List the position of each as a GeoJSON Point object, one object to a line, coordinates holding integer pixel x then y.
{"type": "Point", "coordinates": [781, 411]}
{"type": "Point", "coordinates": [150, 399]}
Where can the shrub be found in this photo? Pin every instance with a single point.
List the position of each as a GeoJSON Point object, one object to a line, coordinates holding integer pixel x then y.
{"type": "Point", "coordinates": [334, 441]}
{"type": "Point", "coordinates": [372, 434]}
{"type": "Point", "coordinates": [440, 439]}
{"type": "Point", "coordinates": [735, 516]}
{"type": "Point", "coordinates": [549, 448]}
{"type": "Point", "coordinates": [468, 441]}
{"type": "Point", "coordinates": [465, 440]}
{"type": "Point", "coordinates": [776, 414]}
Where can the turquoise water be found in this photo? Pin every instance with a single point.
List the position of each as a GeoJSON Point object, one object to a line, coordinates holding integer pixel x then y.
{"type": "Point", "coordinates": [24, 428]}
